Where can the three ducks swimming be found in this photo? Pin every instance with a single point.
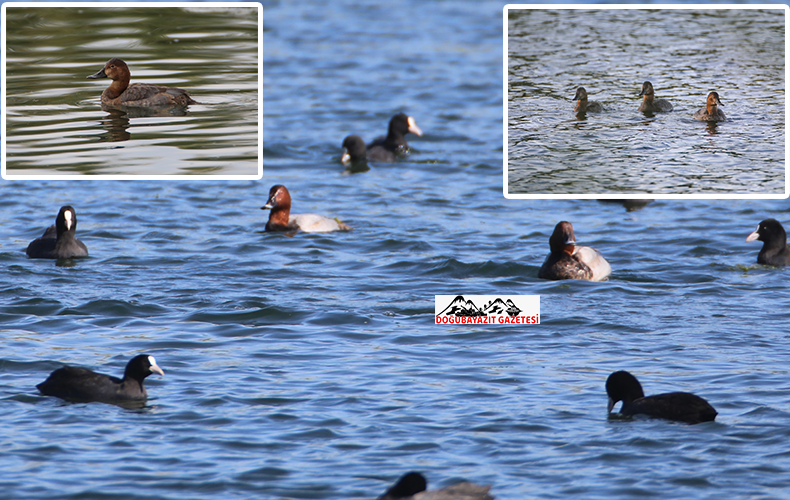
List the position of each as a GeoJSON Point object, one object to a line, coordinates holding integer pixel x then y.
{"type": "Point", "coordinates": [650, 104]}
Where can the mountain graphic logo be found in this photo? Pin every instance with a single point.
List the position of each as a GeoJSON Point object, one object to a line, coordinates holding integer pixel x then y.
{"type": "Point", "coordinates": [486, 309]}
{"type": "Point", "coordinates": [460, 307]}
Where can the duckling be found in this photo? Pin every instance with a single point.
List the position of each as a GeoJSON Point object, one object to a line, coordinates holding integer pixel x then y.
{"type": "Point", "coordinates": [650, 105]}
{"type": "Point", "coordinates": [711, 111]}
{"type": "Point", "coordinates": [583, 106]}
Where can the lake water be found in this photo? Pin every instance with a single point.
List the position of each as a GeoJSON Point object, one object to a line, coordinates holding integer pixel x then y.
{"type": "Point", "coordinates": [685, 54]}
{"type": "Point", "coordinates": [310, 367]}
{"type": "Point", "coordinates": [56, 125]}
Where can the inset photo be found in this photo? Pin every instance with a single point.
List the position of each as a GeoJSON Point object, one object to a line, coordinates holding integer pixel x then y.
{"type": "Point", "coordinates": [116, 90]}
{"type": "Point", "coordinates": [643, 101]}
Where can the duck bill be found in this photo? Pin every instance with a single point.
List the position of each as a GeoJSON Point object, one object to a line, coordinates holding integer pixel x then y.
{"type": "Point", "coordinates": [610, 405]}
{"type": "Point", "coordinates": [755, 235]}
{"type": "Point", "coordinates": [268, 206]}
{"type": "Point", "coordinates": [346, 158]}
{"type": "Point", "coordinates": [413, 128]}
{"type": "Point", "coordinates": [98, 74]}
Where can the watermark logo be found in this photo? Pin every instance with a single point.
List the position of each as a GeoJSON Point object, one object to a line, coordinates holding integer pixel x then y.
{"type": "Point", "coordinates": [487, 309]}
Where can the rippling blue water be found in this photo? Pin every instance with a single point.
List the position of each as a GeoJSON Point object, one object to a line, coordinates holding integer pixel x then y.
{"type": "Point", "coordinates": [309, 367]}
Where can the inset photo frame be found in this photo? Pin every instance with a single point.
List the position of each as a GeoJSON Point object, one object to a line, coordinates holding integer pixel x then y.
{"type": "Point", "coordinates": [132, 90]}
{"type": "Point", "coordinates": [645, 101]}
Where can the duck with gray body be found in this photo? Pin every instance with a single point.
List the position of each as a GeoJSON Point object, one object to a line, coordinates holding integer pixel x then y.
{"type": "Point", "coordinates": [650, 104]}
{"type": "Point", "coordinates": [711, 111]}
{"type": "Point", "coordinates": [282, 220]}
{"type": "Point", "coordinates": [146, 95]}
{"type": "Point", "coordinates": [584, 105]}
{"type": "Point", "coordinates": [412, 486]}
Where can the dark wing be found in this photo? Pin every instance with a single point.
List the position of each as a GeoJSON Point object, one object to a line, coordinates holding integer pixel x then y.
{"type": "Point", "coordinates": [379, 153]}
{"type": "Point", "coordinates": [50, 232]}
{"type": "Point", "coordinates": [155, 95]}
{"type": "Point", "coordinates": [41, 248]}
{"type": "Point", "coordinates": [80, 384]}
{"type": "Point", "coordinates": [564, 267]}
{"type": "Point", "coordinates": [679, 406]}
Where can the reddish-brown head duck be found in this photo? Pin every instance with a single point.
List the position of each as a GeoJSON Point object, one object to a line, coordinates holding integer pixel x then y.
{"type": "Point", "coordinates": [120, 93]}
{"type": "Point", "coordinates": [711, 111]}
{"type": "Point", "coordinates": [567, 261]}
{"type": "Point", "coordinates": [583, 105]}
{"type": "Point", "coordinates": [281, 218]}
{"type": "Point", "coordinates": [650, 104]}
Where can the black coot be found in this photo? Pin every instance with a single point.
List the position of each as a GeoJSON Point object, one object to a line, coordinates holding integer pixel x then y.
{"type": "Point", "coordinates": [59, 241]}
{"type": "Point", "coordinates": [353, 150]}
{"type": "Point", "coordinates": [680, 406]}
{"type": "Point", "coordinates": [387, 149]}
{"type": "Point", "coordinates": [411, 486]}
{"type": "Point", "coordinates": [775, 251]}
{"type": "Point", "coordinates": [81, 384]}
